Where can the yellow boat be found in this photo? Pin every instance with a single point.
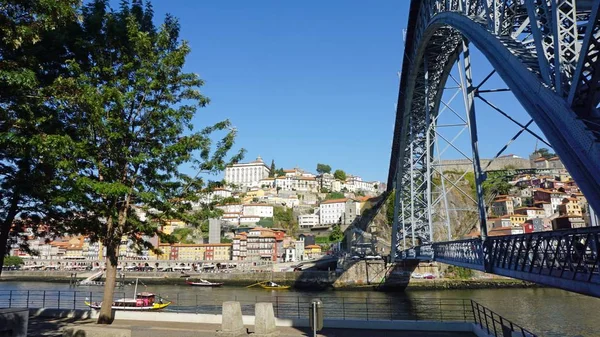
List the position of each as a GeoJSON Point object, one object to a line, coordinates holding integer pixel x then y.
{"type": "Point", "coordinates": [273, 286]}
{"type": "Point", "coordinates": [142, 302]}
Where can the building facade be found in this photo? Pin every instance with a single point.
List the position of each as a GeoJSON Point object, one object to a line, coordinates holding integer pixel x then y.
{"type": "Point", "coordinates": [247, 174]}
{"type": "Point", "coordinates": [332, 211]}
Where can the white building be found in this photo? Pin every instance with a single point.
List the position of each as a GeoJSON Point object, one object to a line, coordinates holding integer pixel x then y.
{"type": "Point", "coordinates": [260, 210]}
{"type": "Point", "coordinates": [247, 174]}
{"type": "Point", "coordinates": [331, 211]}
{"type": "Point", "coordinates": [308, 221]}
{"type": "Point", "coordinates": [231, 208]}
{"type": "Point", "coordinates": [294, 252]}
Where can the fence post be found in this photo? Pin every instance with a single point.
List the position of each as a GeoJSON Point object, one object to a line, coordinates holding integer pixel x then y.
{"type": "Point", "coordinates": [91, 299]}
{"type": "Point", "coordinates": [74, 300]}
{"type": "Point", "coordinates": [44, 300]}
{"type": "Point", "coordinates": [487, 325]}
{"type": "Point", "coordinates": [59, 299]}
{"type": "Point", "coordinates": [343, 309]}
{"type": "Point", "coordinates": [494, 323]}
{"type": "Point", "coordinates": [441, 313]}
{"type": "Point", "coordinates": [196, 307]}
{"type": "Point", "coordinates": [390, 308]}
{"type": "Point", "coordinates": [27, 299]}
{"type": "Point", "coordinates": [277, 305]}
{"type": "Point", "coordinates": [298, 298]}
{"type": "Point", "coordinates": [367, 307]}
{"type": "Point", "coordinates": [10, 299]}
{"type": "Point", "coordinates": [178, 301]}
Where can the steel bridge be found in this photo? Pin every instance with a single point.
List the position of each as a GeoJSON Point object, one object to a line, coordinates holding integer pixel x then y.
{"type": "Point", "coordinates": [547, 52]}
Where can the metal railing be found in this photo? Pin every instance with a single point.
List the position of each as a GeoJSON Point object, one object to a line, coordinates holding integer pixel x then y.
{"type": "Point", "coordinates": [289, 306]}
{"type": "Point", "coordinates": [285, 306]}
{"type": "Point", "coordinates": [495, 324]}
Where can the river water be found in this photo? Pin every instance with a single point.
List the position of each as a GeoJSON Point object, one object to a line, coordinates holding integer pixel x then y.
{"type": "Point", "coordinates": [544, 311]}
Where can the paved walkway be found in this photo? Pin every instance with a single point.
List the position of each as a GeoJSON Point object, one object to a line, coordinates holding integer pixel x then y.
{"type": "Point", "coordinates": [53, 327]}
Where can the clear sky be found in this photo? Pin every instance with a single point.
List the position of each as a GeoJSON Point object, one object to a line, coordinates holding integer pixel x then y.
{"type": "Point", "coordinates": [307, 82]}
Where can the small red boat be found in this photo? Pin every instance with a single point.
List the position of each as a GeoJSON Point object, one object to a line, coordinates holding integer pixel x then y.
{"type": "Point", "coordinates": [204, 283]}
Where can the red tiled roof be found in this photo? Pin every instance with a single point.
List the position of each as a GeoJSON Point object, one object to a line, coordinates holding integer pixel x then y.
{"type": "Point", "coordinates": [334, 201]}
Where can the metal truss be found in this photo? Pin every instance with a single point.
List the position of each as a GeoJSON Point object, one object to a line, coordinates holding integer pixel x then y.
{"type": "Point", "coordinates": [566, 259]}
{"type": "Point", "coordinates": [548, 54]}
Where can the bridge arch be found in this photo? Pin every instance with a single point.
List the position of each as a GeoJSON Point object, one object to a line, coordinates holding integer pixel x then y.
{"type": "Point", "coordinates": [543, 74]}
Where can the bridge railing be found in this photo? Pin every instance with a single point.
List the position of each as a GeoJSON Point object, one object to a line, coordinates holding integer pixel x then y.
{"type": "Point", "coordinates": [495, 324]}
{"type": "Point", "coordinates": [568, 259]}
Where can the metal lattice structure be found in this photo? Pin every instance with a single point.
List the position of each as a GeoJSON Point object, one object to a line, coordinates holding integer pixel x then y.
{"type": "Point", "coordinates": [548, 54]}
{"type": "Point", "coordinates": [567, 259]}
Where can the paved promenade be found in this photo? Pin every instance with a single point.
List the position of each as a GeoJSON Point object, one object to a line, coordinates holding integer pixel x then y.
{"type": "Point", "coordinates": [53, 327]}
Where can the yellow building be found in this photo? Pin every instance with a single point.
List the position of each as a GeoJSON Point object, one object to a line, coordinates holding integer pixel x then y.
{"type": "Point", "coordinates": [570, 206]}
{"type": "Point", "coordinates": [312, 251]}
{"type": "Point", "coordinates": [170, 225]}
{"type": "Point", "coordinates": [517, 219]}
{"type": "Point", "coordinates": [196, 252]}
{"type": "Point", "coordinates": [250, 195]}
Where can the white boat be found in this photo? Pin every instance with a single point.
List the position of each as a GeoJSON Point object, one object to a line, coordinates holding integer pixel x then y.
{"type": "Point", "coordinates": [203, 283]}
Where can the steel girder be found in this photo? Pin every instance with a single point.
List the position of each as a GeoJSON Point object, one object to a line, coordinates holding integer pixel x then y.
{"type": "Point", "coordinates": [539, 70]}
{"type": "Point", "coordinates": [566, 259]}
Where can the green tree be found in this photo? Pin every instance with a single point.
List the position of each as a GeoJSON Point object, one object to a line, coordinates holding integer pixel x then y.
{"type": "Point", "coordinates": [334, 195]}
{"type": "Point", "coordinates": [133, 105]}
{"type": "Point", "coordinates": [32, 55]}
{"type": "Point", "coordinates": [272, 170]}
{"type": "Point", "coordinates": [339, 175]}
{"type": "Point", "coordinates": [279, 172]}
{"type": "Point", "coordinates": [336, 234]}
{"type": "Point", "coordinates": [323, 168]}
{"type": "Point", "coordinates": [13, 261]}
{"type": "Point", "coordinates": [265, 222]}
{"type": "Point", "coordinates": [283, 217]}
{"type": "Point", "coordinates": [545, 153]}
{"type": "Point", "coordinates": [389, 210]}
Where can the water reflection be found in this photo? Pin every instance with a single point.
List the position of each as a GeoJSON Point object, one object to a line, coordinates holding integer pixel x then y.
{"type": "Point", "coordinates": [548, 312]}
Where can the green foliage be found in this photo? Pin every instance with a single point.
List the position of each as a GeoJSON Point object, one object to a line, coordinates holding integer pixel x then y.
{"type": "Point", "coordinates": [322, 240]}
{"type": "Point", "coordinates": [230, 201]}
{"type": "Point", "coordinates": [132, 108]}
{"type": "Point", "coordinates": [460, 272]}
{"type": "Point", "coordinates": [336, 234]}
{"type": "Point", "coordinates": [13, 261]}
{"type": "Point", "coordinates": [284, 218]}
{"type": "Point", "coordinates": [32, 136]}
{"type": "Point", "coordinates": [226, 240]}
{"type": "Point", "coordinates": [496, 184]}
{"type": "Point", "coordinates": [323, 168]}
{"type": "Point", "coordinates": [389, 210]}
{"type": "Point", "coordinates": [339, 175]}
{"type": "Point", "coordinates": [334, 195]}
{"type": "Point", "coordinates": [265, 222]}
{"type": "Point", "coordinates": [187, 235]}
{"type": "Point", "coordinates": [324, 190]}
{"type": "Point", "coordinates": [545, 153]}
{"type": "Point", "coordinates": [272, 170]}
{"type": "Point", "coordinates": [279, 172]}
{"type": "Point", "coordinates": [359, 193]}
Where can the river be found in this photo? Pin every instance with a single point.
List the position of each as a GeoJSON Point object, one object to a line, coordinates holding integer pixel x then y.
{"type": "Point", "coordinates": [545, 311]}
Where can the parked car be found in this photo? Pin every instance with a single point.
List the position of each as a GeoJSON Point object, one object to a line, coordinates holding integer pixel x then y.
{"type": "Point", "coordinates": [429, 276]}
{"type": "Point", "coordinates": [416, 275]}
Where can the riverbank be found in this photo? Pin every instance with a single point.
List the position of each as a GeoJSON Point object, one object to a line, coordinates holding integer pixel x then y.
{"type": "Point", "coordinates": [313, 280]}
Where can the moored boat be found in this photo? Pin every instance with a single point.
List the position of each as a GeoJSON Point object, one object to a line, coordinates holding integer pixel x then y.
{"type": "Point", "coordinates": [203, 283]}
{"type": "Point", "coordinates": [273, 286]}
{"type": "Point", "coordinates": [142, 302]}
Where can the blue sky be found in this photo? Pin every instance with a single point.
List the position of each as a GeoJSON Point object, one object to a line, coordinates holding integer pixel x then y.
{"type": "Point", "coordinates": [308, 82]}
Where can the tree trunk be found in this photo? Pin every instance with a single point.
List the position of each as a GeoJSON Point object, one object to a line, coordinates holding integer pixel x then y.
{"type": "Point", "coordinates": [106, 313]}
{"type": "Point", "coordinates": [5, 229]}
